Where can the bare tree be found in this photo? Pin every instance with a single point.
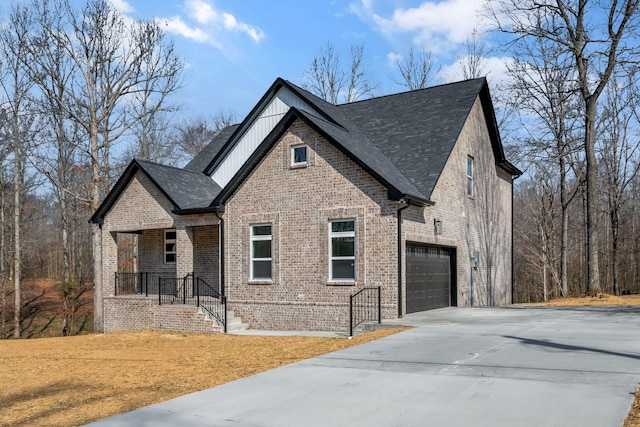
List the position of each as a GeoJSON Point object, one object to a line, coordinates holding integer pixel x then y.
{"type": "Point", "coordinates": [620, 158]}
{"type": "Point", "coordinates": [546, 101]}
{"type": "Point", "coordinates": [15, 85]}
{"type": "Point", "coordinates": [328, 78]}
{"type": "Point", "coordinates": [599, 37]}
{"type": "Point", "coordinates": [472, 63]}
{"type": "Point", "coordinates": [150, 104]}
{"type": "Point", "coordinates": [191, 136]}
{"type": "Point", "coordinates": [110, 62]}
{"type": "Point", "coordinates": [416, 70]}
{"type": "Point", "coordinates": [3, 241]}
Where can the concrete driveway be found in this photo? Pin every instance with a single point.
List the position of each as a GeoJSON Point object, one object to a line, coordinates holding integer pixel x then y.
{"type": "Point", "coordinates": [509, 366]}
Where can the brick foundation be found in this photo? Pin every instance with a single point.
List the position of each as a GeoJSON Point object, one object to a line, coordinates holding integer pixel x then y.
{"type": "Point", "coordinates": [136, 313]}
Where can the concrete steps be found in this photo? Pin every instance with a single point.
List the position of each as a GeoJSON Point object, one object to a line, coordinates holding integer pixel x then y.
{"type": "Point", "coordinates": [234, 323]}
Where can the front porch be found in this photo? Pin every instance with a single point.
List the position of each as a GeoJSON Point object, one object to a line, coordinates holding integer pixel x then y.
{"type": "Point", "coordinates": [166, 290]}
{"type": "Point", "coordinates": [165, 277]}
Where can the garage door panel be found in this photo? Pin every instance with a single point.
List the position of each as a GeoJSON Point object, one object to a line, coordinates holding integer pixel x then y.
{"type": "Point", "coordinates": [428, 275]}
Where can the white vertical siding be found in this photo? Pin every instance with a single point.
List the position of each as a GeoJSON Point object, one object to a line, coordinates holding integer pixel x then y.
{"type": "Point", "coordinates": [256, 133]}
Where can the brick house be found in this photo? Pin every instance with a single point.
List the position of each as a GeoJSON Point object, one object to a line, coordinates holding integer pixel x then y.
{"type": "Point", "coordinates": [305, 203]}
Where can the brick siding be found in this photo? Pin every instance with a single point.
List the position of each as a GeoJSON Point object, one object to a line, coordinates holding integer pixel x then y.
{"type": "Point", "coordinates": [299, 202]}
{"type": "Point", "coordinates": [136, 313]}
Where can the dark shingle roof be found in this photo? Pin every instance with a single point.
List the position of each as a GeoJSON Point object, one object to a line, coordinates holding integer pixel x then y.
{"type": "Point", "coordinates": [186, 189]}
{"type": "Point", "coordinates": [361, 148]}
{"type": "Point", "coordinates": [200, 162]}
{"type": "Point", "coordinates": [417, 130]}
{"type": "Point", "coordinates": [403, 140]}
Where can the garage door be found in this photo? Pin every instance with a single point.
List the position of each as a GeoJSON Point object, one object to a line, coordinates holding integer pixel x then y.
{"type": "Point", "coordinates": [428, 277]}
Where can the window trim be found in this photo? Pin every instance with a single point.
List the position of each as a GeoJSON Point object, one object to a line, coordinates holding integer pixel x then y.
{"type": "Point", "coordinates": [293, 156]}
{"type": "Point", "coordinates": [260, 238]}
{"type": "Point", "coordinates": [470, 170]}
{"type": "Point", "coordinates": [175, 247]}
{"type": "Point", "coordinates": [337, 234]}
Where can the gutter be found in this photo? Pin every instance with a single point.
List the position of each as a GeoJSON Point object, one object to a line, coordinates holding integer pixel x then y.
{"type": "Point", "coordinates": [400, 209]}
{"type": "Point", "coordinates": [220, 209]}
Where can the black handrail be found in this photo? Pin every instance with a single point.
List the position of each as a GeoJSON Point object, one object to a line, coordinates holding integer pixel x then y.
{"type": "Point", "coordinates": [212, 301]}
{"type": "Point", "coordinates": [141, 283]}
{"type": "Point", "coordinates": [364, 305]}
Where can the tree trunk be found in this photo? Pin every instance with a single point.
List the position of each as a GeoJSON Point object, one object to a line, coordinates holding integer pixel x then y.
{"type": "Point", "coordinates": [96, 232]}
{"type": "Point", "coordinates": [615, 229]}
{"type": "Point", "coordinates": [17, 264]}
{"type": "Point", "coordinates": [593, 273]}
{"type": "Point", "coordinates": [3, 272]}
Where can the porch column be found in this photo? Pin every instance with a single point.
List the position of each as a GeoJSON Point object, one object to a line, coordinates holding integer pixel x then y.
{"type": "Point", "coordinates": [184, 251]}
{"type": "Point", "coordinates": [109, 262]}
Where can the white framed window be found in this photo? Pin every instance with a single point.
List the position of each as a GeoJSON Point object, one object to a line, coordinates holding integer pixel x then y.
{"type": "Point", "coordinates": [170, 246]}
{"type": "Point", "coordinates": [299, 155]}
{"type": "Point", "coordinates": [261, 261]}
{"type": "Point", "coordinates": [469, 176]}
{"type": "Point", "coordinates": [342, 250]}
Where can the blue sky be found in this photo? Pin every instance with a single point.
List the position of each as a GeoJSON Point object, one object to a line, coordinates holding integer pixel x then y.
{"type": "Point", "coordinates": [234, 50]}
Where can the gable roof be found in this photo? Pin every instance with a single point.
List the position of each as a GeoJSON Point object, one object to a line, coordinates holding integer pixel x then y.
{"type": "Point", "coordinates": [186, 190]}
{"type": "Point", "coordinates": [200, 162]}
{"type": "Point", "coordinates": [402, 140]}
{"type": "Point", "coordinates": [417, 130]}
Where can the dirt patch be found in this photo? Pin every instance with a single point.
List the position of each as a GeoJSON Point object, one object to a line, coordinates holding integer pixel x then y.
{"type": "Point", "coordinates": [76, 380]}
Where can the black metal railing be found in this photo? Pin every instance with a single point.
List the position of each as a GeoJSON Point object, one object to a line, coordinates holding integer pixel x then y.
{"type": "Point", "coordinates": [175, 290]}
{"type": "Point", "coordinates": [364, 306]}
{"type": "Point", "coordinates": [211, 301]}
{"type": "Point", "coordinates": [141, 283]}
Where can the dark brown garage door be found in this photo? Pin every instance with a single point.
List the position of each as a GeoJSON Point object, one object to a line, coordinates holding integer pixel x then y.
{"type": "Point", "coordinates": [428, 277]}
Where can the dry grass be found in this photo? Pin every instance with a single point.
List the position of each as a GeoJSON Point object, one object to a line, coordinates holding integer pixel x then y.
{"type": "Point", "coordinates": [600, 299]}
{"type": "Point", "coordinates": [633, 419]}
{"type": "Point", "coordinates": [76, 380]}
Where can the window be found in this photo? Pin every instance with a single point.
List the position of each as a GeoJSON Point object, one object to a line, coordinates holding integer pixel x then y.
{"type": "Point", "coordinates": [299, 155]}
{"type": "Point", "coordinates": [469, 176]}
{"type": "Point", "coordinates": [342, 250]}
{"type": "Point", "coordinates": [169, 246]}
{"type": "Point", "coordinates": [261, 252]}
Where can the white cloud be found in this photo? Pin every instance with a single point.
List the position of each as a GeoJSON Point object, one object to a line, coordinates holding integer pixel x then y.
{"type": "Point", "coordinates": [393, 58]}
{"type": "Point", "coordinates": [201, 11]}
{"type": "Point", "coordinates": [232, 24]}
{"type": "Point", "coordinates": [213, 22]}
{"type": "Point", "coordinates": [434, 25]}
{"type": "Point", "coordinates": [176, 25]}
{"type": "Point", "coordinates": [122, 6]}
{"type": "Point", "coordinates": [494, 68]}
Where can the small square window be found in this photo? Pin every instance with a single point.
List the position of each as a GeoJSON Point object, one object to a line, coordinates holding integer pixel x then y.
{"type": "Point", "coordinates": [299, 155]}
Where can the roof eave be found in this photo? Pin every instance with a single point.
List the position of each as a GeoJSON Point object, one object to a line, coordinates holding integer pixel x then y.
{"type": "Point", "coordinates": [120, 186]}
{"type": "Point", "coordinates": [191, 211]}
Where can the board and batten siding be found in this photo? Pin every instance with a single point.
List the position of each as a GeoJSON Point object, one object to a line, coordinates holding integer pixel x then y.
{"type": "Point", "coordinates": [257, 132]}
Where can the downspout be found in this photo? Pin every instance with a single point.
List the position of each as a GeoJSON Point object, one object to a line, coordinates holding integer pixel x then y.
{"type": "Point", "coordinates": [400, 209]}
{"type": "Point", "coordinates": [513, 283]}
{"type": "Point", "coordinates": [221, 238]}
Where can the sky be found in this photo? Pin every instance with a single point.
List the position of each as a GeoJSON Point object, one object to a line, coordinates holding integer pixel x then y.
{"type": "Point", "coordinates": [234, 49]}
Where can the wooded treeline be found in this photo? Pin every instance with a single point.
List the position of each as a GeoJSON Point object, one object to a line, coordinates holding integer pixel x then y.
{"type": "Point", "coordinates": [84, 89]}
